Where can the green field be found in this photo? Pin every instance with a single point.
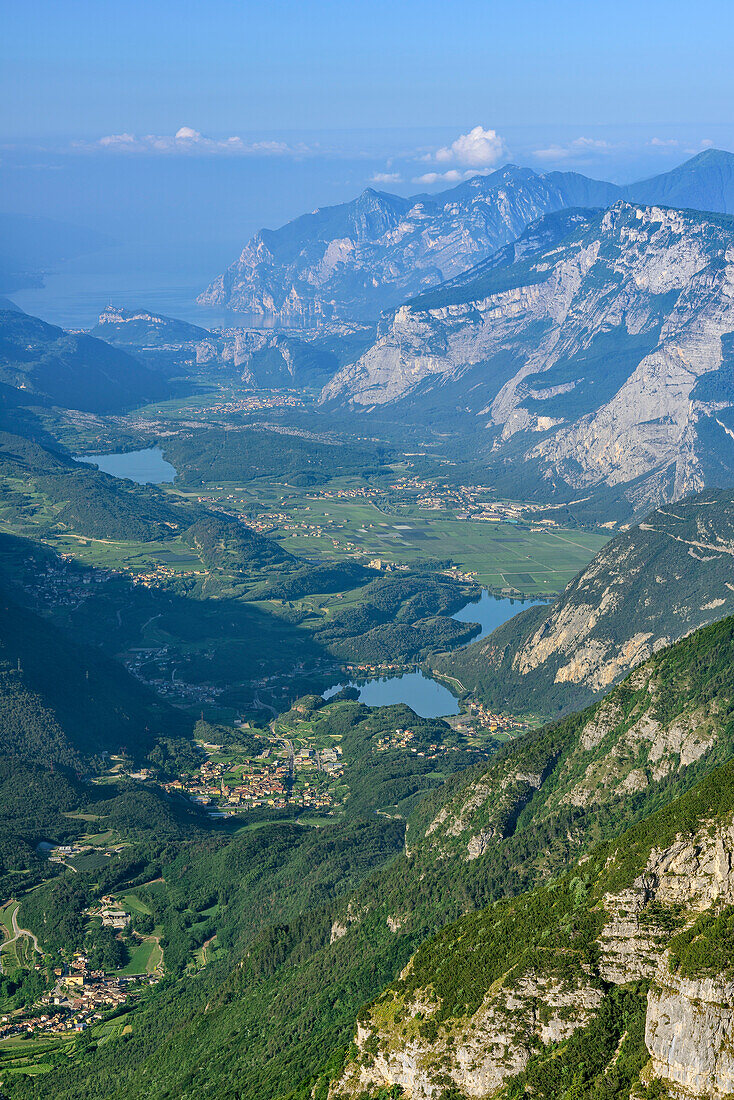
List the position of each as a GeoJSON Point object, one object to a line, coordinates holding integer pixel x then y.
{"type": "Point", "coordinates": [502, 555]}
{"type": "Point", "coordinates": [19, 1054]}
{"type": "Point", "coordinates": [533, 560]}
{"type": "Point", "coordinates": [145, 958]}
{"type": "Point", "coordinates": [131, 903]}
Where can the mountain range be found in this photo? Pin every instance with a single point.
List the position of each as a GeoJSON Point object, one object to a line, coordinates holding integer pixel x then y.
{"type": "Point", "coordinates": [352, 261]}
{"type": "Point", "coordinates": [598, 365]}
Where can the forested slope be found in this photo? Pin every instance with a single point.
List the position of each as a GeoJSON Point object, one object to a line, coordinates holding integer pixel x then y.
{"type": "Point", "coordinates": [280, 1018]}
{"type": "Point", "coordinates": [649, 586]}
{"type": "Point", "coordinates": [41, 364]}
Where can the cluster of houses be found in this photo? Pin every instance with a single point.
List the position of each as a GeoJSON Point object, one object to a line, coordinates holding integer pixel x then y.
{"type": "Point", "coordinates": [258, 784]}
{"type": "Point", "coordinates": [152, 578]}
{"type": "Point", "coordinates": [266, 781]}
{"type": "Point", "coordinates": [79, 999]}
{"type": "Point", "coordinates": [344, 494]}
{"type": "Point", "coordinates": [397, 739]}
{"type": "Point", "coordinates": [256, 402]}
{"type": "Point", "coordinates": [111, 914]}
{"type": "Point", "coordinates": [495, 723]}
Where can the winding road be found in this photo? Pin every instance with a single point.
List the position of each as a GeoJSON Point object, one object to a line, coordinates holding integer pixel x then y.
{"type": "Point", "coordinates": [17, 934]}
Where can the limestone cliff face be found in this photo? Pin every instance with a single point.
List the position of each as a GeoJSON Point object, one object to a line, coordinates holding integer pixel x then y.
{"type": "Point", "coordinates": [349, 262]}
{"type": "Point", "coordinates": [604, 357]}
{"type": "Point", "coordinates": [689, 1022]}
{"type": "Point", "coordinates": [688, 1032]}
{"type": "Point", "coordinates": [496, 1043]}
{"type": "Point", "coordinates": [648, 587]}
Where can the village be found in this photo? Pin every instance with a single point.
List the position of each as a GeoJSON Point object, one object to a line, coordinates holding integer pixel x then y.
{"type": "Point", "coordinates": [279, 777]}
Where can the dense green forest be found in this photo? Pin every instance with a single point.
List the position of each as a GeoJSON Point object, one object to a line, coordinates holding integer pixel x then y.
{"type": "Point", "coordinates": [250, 453]}
{"type": "Point", "coordinates": [305, 911]}
{"type": "Point", "coordinates": [60, 700]}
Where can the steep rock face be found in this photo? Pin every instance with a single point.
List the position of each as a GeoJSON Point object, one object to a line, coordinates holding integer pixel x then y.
{"type": "Point", "coordinates": [658, 726]}
{"type": "Point", "coordinates": [601, 363]}
{"type": "Point", "coordinates": [645, 589]}
{"type": "Point", "coordinates": [688, 1032]}
{"type": "Point", "coordinates": [539, 995]}
{"type": "Point", "coordinates": [351, 261]}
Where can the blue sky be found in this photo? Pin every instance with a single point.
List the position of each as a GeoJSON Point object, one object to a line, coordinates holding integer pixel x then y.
{"type": "Point", "coordinates": [81, 68]}
{"type": "Point", "coordinates": [168, 121]}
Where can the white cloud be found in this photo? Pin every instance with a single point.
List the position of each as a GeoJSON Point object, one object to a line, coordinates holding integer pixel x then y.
{"type": "Point", "coordinates": [479, 148]}
{"type": "Point", "coordinates": [664, 143]}
{"type": "Point", "coordinates": [452, 176]}
{"type": "Point", "coordinates": [386, 177]}
{"type": "Point", "coordinates": [707, 143]}
{"type": "Point", "coordinates": [188, 140]}
{"type": "Point", "coordinates": [579, 147]}
{"type": "Point", "coordinates": [113, 141]}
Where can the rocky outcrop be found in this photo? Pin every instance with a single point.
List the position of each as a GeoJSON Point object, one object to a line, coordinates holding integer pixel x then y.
{"type": "Point", "coordinates": [406, 1039]}
{"type": "Point", "coordinates": [688, 1032]}
{"type": "Point", "coordinates": [494, 1044]}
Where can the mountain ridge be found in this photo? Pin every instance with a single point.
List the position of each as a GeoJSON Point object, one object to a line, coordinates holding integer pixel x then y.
{"type": "Point", "coordinates": [598, 367]}
{"type": "Point", "coordinates": [647, 588]}
{"type": "Point", "coordinates": [330, 265]}
{"type": "Point", "coordinates": [351, 261]}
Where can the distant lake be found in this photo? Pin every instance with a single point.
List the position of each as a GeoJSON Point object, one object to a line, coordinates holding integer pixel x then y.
{"type": "Point", "coordinates": [147, 467]}
{"type": "Point", "coordinates": [491, 611]}
{"type": "Point", "coordinates": [425, 696]}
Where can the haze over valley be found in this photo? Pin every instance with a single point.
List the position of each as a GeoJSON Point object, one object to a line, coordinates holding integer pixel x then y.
{"type": "Point", "coordinates": [367, 553]}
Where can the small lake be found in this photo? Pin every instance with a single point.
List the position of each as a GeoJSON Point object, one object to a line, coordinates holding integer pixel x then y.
{"type": "Point", "coordinates": [147, 467]}
{"type": "Point", "coordinates": [491, 611]}
{"type": "Point", "coordinates": [425, 696]}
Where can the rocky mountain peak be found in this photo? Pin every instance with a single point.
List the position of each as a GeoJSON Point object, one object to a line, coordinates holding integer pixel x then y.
{"type": "Point", "coordinates": [586, 359]}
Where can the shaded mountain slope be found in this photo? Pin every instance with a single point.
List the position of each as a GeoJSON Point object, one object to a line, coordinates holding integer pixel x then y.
{"type": "Point", "coordinates": [705, 182]}
{"type": "Point", "coordinates": [41, 364]}
{"type": "Point", "coordinates": [141, 328]}
{"type": "Point", "coordinates": [645, 589]}
{"type": "Point", "coordinates": [61, 701]}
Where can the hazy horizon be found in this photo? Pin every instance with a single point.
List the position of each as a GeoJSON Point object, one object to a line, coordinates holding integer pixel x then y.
{"type": "Point", "coordinates": [178, 138]}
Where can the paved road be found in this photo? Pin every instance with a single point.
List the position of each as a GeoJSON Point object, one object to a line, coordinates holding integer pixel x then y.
{"type": "Point", "coordinates": [261, 703]}
{"type": "Point", "coordinates": [291, 760]}
{"type": "Point", "coordinates": [17, 933]}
